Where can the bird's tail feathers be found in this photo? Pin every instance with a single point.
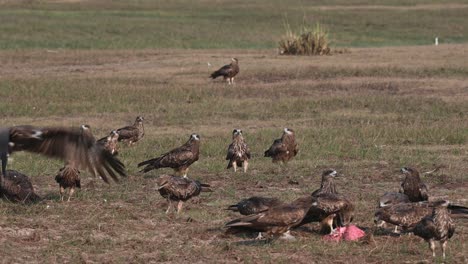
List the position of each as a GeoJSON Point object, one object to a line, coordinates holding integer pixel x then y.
{"type": "Point", "coordinates": [233, 207]}
{"type": "Point", "coordinates": [244, 221]}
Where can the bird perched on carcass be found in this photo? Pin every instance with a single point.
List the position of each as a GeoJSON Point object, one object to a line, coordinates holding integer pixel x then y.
{"type": "Point", "coordinates": [17, 187]}
{"type": "Point", "coordinates": [283, 149]}
{"type": "Point", "coordinates": [179, 189]}
{"type": "Point", "coordinates": [238, 152]}
{"type": "Point", "coordinates": [132, 134]}
{"type": "Point", "coordinates": [68, 178]}
{"type": "Point", "coordinates": [254, 205]}
{"type": "Point", "coordinates": [276, 220]}
{"type": "Point", "coordinates": [228, 72]}
{"type": "Point", "coordinates": [413, 186]}
{"type": "Point", "coordinates": [76, 146]}
{"type": "Point", "coordinates": [110, 142]}
{"type": "Point", "coordinates": [179, 158]}
{"type": "Point", "coordinates": [328, 183]}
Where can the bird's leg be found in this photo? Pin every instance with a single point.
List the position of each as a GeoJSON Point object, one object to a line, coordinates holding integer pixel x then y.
{"type": "Point", "coordinates": [444, 245]}
{"type": "Point", "coordinates": [432, 247]}
{"type": "Point", "coordinates": [232, 80]}
{"type": "Point", "coordinates": [179, 206]}
{"type": "Point", "coordinates": [396, 230]}
{"type": "Point", "coordinates": [246, 165]}
{"type": "Point", "coordinates": [62, 192]}
{"type": "Point", "coordinates": [169, 205]}
{"type": "Point", "coordinates": [259, 237]}
{"type": "Point", "coordinates": [185, 171]}
{"type": "Point", "coordinates": [288, 236]}
{"type": "Point", "coordinates": [234, 165]}
{"type": "Point", "coordinates": [72, 190]}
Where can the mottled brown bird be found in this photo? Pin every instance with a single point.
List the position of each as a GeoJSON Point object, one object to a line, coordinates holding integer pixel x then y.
{"type": "Point", "coordinates": [227, 71]}
{"type": "Point", "coordinates": [110, 142]}
{"type": "Point", "coordinates": [436, 227]}
{"type": "Point", "coordinates": [238, 152]}
{"type": "Point", "coordinates": [132, 134]}
{"type": "Point", "coordinates": [76, 146]}
{"type": "Point", "coordinates": [18, 188]}
{"type": "Point", "coordinates": [392, 198]}
{"type": "Point", "coordinates": [68, 177]}
{"type": "Point", "coordinates": [277, 220]}
{"type": "Point", "coordinates": [328, 183]}
{"type": "Point", "coordinates": [283, 149]}
{"type": "Point", "coordinates": [179, 158]}
{"type": "Point", "coordinates": [413, 186]}
{"type": "Point", "coordinates": [254, 205]}
{"type": "Point", "coordinates": [179, 189]}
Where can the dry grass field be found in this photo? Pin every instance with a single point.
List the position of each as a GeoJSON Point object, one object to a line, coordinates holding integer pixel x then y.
{"type": "Point", "coordinates": [366, 113]}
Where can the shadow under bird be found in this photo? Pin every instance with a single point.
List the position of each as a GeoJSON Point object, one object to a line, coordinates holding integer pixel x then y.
{"type": "Point", "coordinates": [179, 158]}
{"type": "Point", "coordinates": [132, 134]}
{"type": "Point", "coordinates": [413, 186]}
{"type": "Point", "coordinates": [179, 189]}
{"type": "Point", "coordinates": [238, 152]}
{"type": "Point", "coordinates": [276, 220]}
{"type": "Point", "coordinates": [17, 187]}
{"type": "Point", "coordinates": [228, 72]}
{"type": "Point", "coordinates": [75, 145]}
{"type": "Point", "coordinates": [283, 149]}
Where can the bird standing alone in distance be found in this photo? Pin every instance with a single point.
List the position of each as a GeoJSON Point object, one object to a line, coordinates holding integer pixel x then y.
{"type": "Point", "coordinates": [227, 71]}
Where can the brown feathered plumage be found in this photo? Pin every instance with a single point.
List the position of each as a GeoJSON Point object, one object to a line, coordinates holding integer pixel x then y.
{"type": "Point", "coordinates": [254, 205]}
{"type": "Point", "coordinates": [277, 219]}
{"type": "Point", "coordinates": [436, 227]}
{"type": "Point", "coordinates": [328, 183]}
{"type": "Point", "coordinates": [179, 189]}
{"type": "Point", "coordinates": [330, 209]}
{"type": "Point", "coordinates": [283, 149]}
{"type": "Point", "coordinates": [227, 71]}
{"type": "Point", "coordinates": [133, 133]}
{"type": "Point", "coordinates": [110, 142]}
{"type": "Point", "coordinates": [76, 146]}
{"type": "Point", "coordinates": [68, 178]}
{"type": "Point", "coordinates": [413, 186]}
{"type": "Point", "coordinates": [18, 188]}
{"type": "Point", "coordinates": [179, 159]}
{"type": "Point", "coordinates": [238, 152]}
{"type": "Point", "coordinates": [392, 198]}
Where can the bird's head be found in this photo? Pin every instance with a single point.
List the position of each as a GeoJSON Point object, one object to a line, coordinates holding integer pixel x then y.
{"type": "Point", "coordinates": [329, 173]}
{"type": "Point", "coordinates": [139, 119]}
{"type": "Point", "coordinates": [236, 132]}
{"type": "Point", "coordinates": [234, 60]}
{"type": "Point", "coordinates": [114, 134]}
{"type": "Point", "coordinates": [288, 131]}
{"type": "Point", "coordinates": [194, 137]}
{"type": "Point", "coordinates": [409, 171]}
{"type": "Point", "coordinates": [85, 127]}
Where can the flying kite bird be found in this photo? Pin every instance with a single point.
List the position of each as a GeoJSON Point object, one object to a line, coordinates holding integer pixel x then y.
{"type": "Point", "coordinates": [413, 186]}
{"type": "Point", "coordinates": [436, 227]}
{"type": "Point", "coordinates": [68, 177]}
{"type": "Point", "coordinates": [132, 134]}
{"type": "Point", "coordinates": [17, 187]}
{"type": "Point", "coordinates": [179, 189]}
{"type": "Point", "coordinates": [277, 220]}
{"type": "Point", "coordinates": [179, 158]}
{"type": "Point", "coordinates": [328, 183]}
{"type": "Point", "coordinates": [254, 205]}
{"type": "Point", "coordinates": [283, 149]}
{"type": "Point", "coordinates": [110, 142]}
{"type": "Point", "coordinates": [330, 209]}
{"type": "Point", "coordinates": [238, 152]}
{"type": "Point", "coordinates": [227, 71]}
{"type": "Point", "coordinates": [76, 146]}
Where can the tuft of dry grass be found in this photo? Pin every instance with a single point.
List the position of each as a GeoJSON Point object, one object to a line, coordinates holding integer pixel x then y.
{"type": "Point", "coordinates": [308, 41]}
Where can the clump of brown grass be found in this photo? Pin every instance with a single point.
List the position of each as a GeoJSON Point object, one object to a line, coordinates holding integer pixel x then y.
{"type": "Point", "coordinates": [309, 41]}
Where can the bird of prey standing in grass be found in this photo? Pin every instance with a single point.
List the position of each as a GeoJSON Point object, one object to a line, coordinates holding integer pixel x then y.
{"type": "Point", "coordinates": [132, 134]}
{"type": "Point", "coordinates": [413, 186]}
{"type": "Point", "coordinates": [227, 71]}
{"type": "Point", "coordinates": [283, 149]}
{"type": "Point", "coordinates": [238, 152]}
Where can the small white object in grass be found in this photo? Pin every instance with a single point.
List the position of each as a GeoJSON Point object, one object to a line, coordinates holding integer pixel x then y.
{"type": "Point", "coordinates": [47, 207]}
{"type": "Point", "coordinates": [436, 41]}
{"type": "Point", "coordinates": [209, 64]}
{"type": "Point", "coordinates": [105, 200]}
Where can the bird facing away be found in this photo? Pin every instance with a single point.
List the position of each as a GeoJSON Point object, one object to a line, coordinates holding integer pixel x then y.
{"type": "Point", "coordinates": [179, 158]}
{"type": "Point", "coordinates": [132, 134]}
{"type": "Point", "coordinates": [68, 177]}
{"type": "Point", "coordinates": [276, 220]}
{"type": "Point", "coordinates": [328, 183]}
{"type": "Point", "coordinates": [413, 186]}
{"type": "Point", "coordinates": [238, 152]}
{"type": "Point", "coordinates": [283, 149]}
{"type": "Point", "coordinates": [110, 142]}
{"type": "Point", "coordinates": [179, 189]}
{"type": "Point", "coordinates": [76, 146]}
{"type": "Point", "coordinates": [254, 205]}
{"type": "Point", "coordinates": [436, 227]}
{"type": "Point", "coordinates": [18, 188]}
{"type": "Point", "coordinates": [330, 209]}
{"type": "Point", "coordinates": [227, 71]}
